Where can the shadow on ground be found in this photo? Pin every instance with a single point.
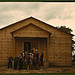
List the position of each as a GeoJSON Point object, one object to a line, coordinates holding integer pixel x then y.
{"type": "Point", "coordinates": [5, 70]}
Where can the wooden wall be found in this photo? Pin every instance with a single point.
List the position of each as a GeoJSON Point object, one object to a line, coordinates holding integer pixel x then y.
{"type": "Point", "coordinates": [31, 31]}
{"type": "Point", "coordinates": [59, 52]}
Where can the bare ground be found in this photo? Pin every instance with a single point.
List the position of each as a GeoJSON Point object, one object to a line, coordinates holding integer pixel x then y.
{"type": "Point", "coordinates": [5, 70]}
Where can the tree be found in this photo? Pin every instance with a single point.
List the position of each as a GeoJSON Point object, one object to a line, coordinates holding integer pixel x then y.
{"type": "Point", "coordinates": [65, 29]}
{"type": "Point", "coordinates": [73, 45]}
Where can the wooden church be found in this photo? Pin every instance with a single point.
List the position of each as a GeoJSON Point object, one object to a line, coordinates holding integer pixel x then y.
{"type": "Point", "coordinates": [55, 44]}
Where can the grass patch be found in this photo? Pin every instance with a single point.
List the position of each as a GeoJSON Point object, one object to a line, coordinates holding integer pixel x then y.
{"type": "Point", "coordinates": [43, 74]}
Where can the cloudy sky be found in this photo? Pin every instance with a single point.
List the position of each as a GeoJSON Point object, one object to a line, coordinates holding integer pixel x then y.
{"type": "Point", "coordinates": [54, 13]}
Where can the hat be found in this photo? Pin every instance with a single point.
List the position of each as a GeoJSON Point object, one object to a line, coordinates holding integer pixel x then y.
{"type": "Point", "coordinates": [30, 53]}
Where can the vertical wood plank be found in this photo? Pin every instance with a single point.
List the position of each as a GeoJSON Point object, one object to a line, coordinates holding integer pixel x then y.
{"type": "Point", "coordinates": [14, 52]}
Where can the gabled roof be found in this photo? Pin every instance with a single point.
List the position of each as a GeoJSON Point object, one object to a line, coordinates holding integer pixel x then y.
{"type": "Point", "coordinates": [37, 20]}
{"type": "Point", "coordinates": [28, 25]}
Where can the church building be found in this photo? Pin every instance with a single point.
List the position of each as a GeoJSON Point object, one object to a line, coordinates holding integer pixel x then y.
{"type": "Point", "coordinates": [30, 33]}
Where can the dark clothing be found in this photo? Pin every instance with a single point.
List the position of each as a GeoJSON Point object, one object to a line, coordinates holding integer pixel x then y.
{"type": "Point", "coordinates": [34, 60]}
{"type": "Point", "coordinates": [41, 59]}
{"type": "Point", "coordinates": [20, 63]}
{"type": "Point", "coordinates": [10, 59]}
{"type": "Point", "coordinates": [9, 64]}
{"type": "Point", "coordinates": [16, 59]}
{"type": "Point", "coordinates": [28, 60]}
{"type": "Point", "coordinates": [37, 57]}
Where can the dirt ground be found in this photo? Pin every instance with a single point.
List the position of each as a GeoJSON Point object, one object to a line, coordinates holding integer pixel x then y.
{"type": "Point", "coordinates": [5, 70]}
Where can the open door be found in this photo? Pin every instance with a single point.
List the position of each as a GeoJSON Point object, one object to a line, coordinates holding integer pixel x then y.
{"type": "Point", "coordinates": [27, 46]}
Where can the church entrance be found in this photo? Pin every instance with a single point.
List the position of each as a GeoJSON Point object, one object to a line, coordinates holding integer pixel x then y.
{"type": "Point", "coordinates": [27, 46]}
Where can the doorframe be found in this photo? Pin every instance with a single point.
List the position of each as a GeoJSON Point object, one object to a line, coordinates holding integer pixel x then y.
{"type": "Point", "coordinates": [28, 43]}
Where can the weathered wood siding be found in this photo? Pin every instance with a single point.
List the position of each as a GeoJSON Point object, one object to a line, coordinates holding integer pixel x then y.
{"type": "Point", "coordinates": [60, 44]}
{"type": "Point", "coordinates": [31, 31]}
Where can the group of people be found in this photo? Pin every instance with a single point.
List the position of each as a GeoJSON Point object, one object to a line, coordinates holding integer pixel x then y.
{"type": "Point", "coordinates": [27, 60]}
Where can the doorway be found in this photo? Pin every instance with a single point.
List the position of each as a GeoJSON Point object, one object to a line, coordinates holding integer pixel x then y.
{"type": "Point", "coordinates": [27, 46]}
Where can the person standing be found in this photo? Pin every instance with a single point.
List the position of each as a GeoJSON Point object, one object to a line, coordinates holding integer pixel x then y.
{"type": "Point", "coordinates": [25, 62]}
{"type": "Point", "coordinates": [10, 59]}
{"type": "Point", "coordinates": [34, 60]}
{"type": "Point", "coordinates": [28, 61]}
{"type": "Point", "coordinates": [37, 58]}
{"type": "Point", "coordinates": [41, 60]}
{"type": "Point", "coordinates": [23, 54]}
{"type": "Point", "coordinates": [31, 61]}
{"type": "Point", "coordinates": [20, 61]}
{"type": "Point", "coordinates": [16, 59]}
{"type": "Point", "coordinates": [23, 58]}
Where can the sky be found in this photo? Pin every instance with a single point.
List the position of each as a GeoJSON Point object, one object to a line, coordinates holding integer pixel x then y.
{"type": "Point", "coordinates": [53, 13]}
